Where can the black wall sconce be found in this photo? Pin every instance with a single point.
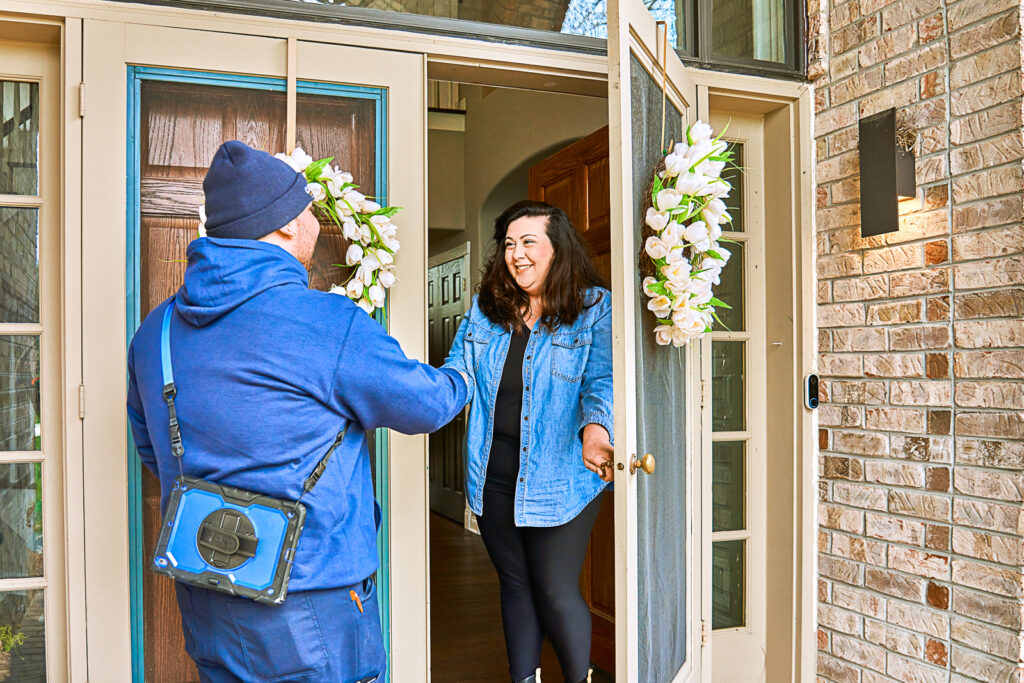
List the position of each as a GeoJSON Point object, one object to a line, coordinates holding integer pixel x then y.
{"type": "Point", "coordinates": [886, 173]}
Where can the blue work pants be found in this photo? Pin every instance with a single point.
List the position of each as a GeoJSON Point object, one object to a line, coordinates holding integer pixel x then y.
{"type": "Point", "coordinates": [316, 635]}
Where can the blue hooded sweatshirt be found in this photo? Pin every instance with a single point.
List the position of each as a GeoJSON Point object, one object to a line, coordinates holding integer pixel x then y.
{"type": "Point", "coordinates": [267, 372]}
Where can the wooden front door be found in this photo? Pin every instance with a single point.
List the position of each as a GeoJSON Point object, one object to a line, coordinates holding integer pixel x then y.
{"type": "Point", "coordinates": [575, 179]}
{"type": "Point", "coordinates": [181, 125]}
{"type": "Point", "coordinates": [448, 299]}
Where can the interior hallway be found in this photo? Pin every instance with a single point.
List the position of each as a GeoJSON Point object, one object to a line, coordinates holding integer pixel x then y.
{"type": "Point", "coordinates": [465, 611]}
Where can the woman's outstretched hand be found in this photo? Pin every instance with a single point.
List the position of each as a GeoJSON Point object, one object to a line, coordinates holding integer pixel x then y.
{"type": "Point", "coordinates": [598, 452]}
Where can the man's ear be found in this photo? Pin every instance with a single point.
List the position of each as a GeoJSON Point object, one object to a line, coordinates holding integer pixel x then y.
{"type": "Point", "coordinates": [291, 229]}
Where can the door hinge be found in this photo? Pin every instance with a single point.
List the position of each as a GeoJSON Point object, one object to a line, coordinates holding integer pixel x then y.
{"type": "Point", "coordinates": [703, 632]}
{"type": "Point", "coordinates": [703, 393]}
{"type": "Point", "coordinates": [81, 100]}
{"type": "Point", "coordinates": [81, 401]}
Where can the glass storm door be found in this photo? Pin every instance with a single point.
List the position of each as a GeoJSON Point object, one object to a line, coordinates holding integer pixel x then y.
{"type": "Point", "coordinates": [657, 527]}
{"type": "Point", "coordinates": [358, 106]}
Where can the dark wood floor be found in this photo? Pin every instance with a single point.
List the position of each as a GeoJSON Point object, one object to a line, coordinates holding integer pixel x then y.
{"type": "Point", "coordinates": [465, 611]}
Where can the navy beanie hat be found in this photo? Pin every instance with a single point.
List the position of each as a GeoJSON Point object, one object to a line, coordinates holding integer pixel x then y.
{"type": "Point", "coordinates": [250, 194]}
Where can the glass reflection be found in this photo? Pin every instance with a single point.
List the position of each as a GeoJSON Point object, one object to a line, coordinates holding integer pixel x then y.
{"type": "Point", "coordinates": [749, 29]}
{"type": "Point", "coordinates": [571, 17]}
{"type": "Point", "coordinates": [731, 290]}
{"type": "Point", "coordinates": [739, 30]}
{"type": "Point", "coordinates": [727, 583]}
{"type": "Point", "coordinates": [21, 520]}
{"type": "Point", "coordinates": [728, 486]}
{"type": "Point", "coordinates": [22, 637]}
{"type": "Point", "coordinates": [19, 137]}
{"type": "Point", "coordinates": [728, 412]}
{"type": "Point", "coordinates": [19, 393]}
{"type": "Point", "coordinates": [734, 175]}
{"type": "Point", "coordinates": [19, 265]}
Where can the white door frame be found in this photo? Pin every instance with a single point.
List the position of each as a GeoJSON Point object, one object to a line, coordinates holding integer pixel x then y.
{"type": "Point", "coordinates": [790, 350]}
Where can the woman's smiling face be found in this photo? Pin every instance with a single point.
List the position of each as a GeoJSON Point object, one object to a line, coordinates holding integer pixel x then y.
{"type": "Point", "coordinates": [528, 252]}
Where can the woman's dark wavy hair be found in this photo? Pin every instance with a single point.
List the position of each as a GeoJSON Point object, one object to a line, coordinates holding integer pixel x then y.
{"type": "Point", "coordinates": [569, 276]}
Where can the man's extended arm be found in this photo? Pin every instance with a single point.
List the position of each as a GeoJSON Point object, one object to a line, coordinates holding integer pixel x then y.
{"type": "Point", "coordinates": [382, 387]}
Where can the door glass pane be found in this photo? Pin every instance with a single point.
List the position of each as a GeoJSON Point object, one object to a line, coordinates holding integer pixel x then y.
{"type": "Point", "coordinates": [22, 638]}
{"type": "Point", "coordinates": [727, 583]}
{"type": "Point", "coordinates": [734, 175]}
{"type": "Point", "coordinates": [728, 478]}
{"type": "Point", "coordinates": [19, 137]}
{"type": "Point", "coordinates": [19, 393]}
{"type": "Point", "coordinates": [728, 413]}
{"type": "Point", "coordinates": [749, 29]}
{"type": "Point", "coordinates": [344, 128]}
{"type": "Point", "coordinates": [21, 520]}
{"type": "Point", "coordinates": [661, 401]}
{"type": "Point", "coordinates": [731, 290]}
{"type": "Point", "coordinates": [19, 265]}
{"type": "Point", "coordinates": [181, 125]}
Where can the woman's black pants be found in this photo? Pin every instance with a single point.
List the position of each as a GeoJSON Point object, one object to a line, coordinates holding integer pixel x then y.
{"type": "Point", "coordinates": [539, 570]}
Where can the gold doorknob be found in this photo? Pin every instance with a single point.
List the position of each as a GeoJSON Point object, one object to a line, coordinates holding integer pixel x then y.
{"type": "Point", "coordinates": [645, 463]}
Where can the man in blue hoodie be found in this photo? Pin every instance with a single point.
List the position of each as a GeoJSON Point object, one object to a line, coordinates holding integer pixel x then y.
{"type": "Point", "coordinates": [267, 372]}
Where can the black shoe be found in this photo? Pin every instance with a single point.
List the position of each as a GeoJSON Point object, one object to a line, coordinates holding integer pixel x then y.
{"type": "Point", "coordinates": [532, 678]}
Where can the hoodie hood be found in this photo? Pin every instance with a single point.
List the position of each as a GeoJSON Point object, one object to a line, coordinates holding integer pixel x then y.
{"type": "Point", "coordinates": [222, 274]}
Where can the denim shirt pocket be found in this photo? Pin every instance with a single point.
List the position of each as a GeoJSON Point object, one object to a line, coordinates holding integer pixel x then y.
{"type": "Point", "coordinates": [569, 352]}
{"type": "Point", "coordinates": [479, 336]}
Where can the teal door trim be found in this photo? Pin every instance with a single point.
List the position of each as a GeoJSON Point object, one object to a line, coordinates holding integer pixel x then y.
{"type": "Point", "coordinates": [382, 459]}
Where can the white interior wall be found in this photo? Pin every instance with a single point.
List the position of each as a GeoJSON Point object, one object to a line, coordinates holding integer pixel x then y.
{"type": "Point", "coordinates": [506, 131]}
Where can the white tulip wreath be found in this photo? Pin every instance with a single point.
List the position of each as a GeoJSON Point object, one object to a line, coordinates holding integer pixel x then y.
{"type": "Point", "coordinates": [686, 250]}
{"type": "Point", "coordinates": [365, 223]}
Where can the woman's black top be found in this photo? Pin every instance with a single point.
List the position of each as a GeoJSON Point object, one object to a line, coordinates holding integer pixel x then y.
{"type": "Point", "coordinates": [503, 464]}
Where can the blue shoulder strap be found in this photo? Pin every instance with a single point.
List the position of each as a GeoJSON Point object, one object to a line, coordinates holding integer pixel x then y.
{"type": "Point", "coordinates": [170, 391]}
{"type": "Point", "coordinates": [165, 345]}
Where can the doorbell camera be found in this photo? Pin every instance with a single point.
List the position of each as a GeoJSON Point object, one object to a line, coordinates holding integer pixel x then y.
{"type": "Point", "coordinates": [811, 391]}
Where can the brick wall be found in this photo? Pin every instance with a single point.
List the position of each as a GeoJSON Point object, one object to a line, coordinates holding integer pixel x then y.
{"type": "Point", "coordinates": [920, 339]}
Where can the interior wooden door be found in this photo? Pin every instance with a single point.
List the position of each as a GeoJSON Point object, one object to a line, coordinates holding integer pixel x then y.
{"type": "Point", "coordinates": [575, 179]}
{"type": "Point", "coordinates": [447, 300]}
{"type": "Point", "coordinates": [181, 125]}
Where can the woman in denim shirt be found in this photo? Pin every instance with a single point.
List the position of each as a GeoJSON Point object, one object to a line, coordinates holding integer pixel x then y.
{"type": "Point", "coordinates": [536, 347]}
